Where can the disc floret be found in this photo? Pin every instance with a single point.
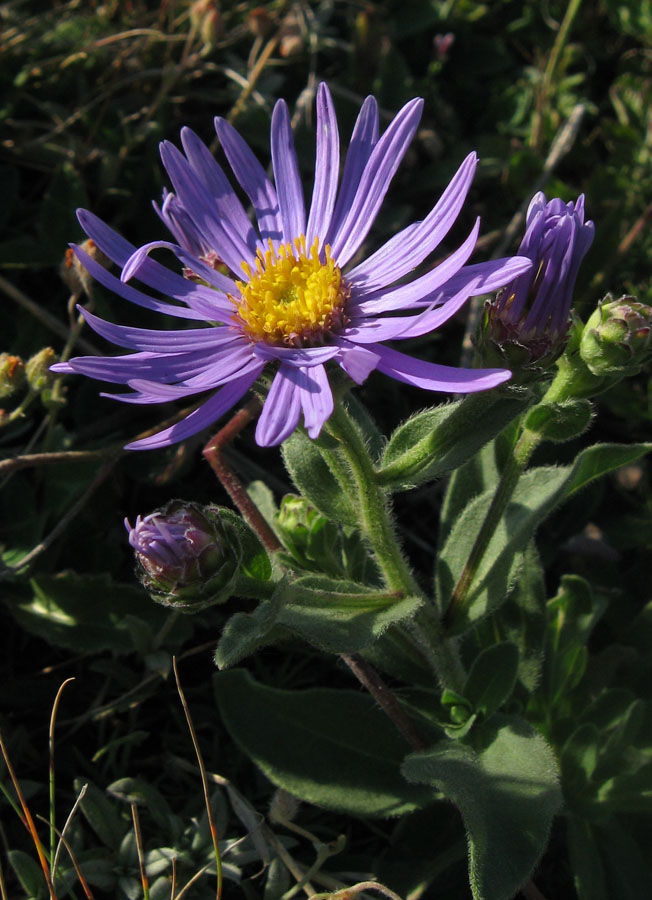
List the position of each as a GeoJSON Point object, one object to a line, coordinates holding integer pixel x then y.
{"type": "Point", "coordinates": [291, 297]}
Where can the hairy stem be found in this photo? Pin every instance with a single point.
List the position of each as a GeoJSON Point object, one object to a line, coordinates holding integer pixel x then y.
{"type": "Point", "coordinates": [378, 526]}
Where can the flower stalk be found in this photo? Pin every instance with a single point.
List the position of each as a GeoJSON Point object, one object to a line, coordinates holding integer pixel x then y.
{"type": "Point", "coordinates": [378, 526]}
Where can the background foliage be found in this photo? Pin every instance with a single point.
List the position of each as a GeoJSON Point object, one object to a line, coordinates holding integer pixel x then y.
{"type": "Point", "coordinates": [87, 90]}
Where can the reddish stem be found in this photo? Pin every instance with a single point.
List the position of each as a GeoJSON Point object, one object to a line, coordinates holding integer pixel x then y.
{"type": "Point", "coordinates": [232, 484]}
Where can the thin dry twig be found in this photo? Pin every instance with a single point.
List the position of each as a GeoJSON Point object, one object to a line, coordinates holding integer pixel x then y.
{"type": "Point", "coordinates": [204, 779]}
{"type": "Point", "coordinates": [139, 848]}
{"type": "Point", "coordinates": [66, 825]}
{"type": "Point", "coordinates": [29, 821]}
{"type": "Point", "coordinates": [73, 859]}
{"type": "Point", "coordinates": [53, 718]}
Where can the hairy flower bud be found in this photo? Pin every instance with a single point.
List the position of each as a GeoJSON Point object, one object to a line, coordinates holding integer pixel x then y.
{"type": "Point", "coordinates": [308, 535]}
{"type": "Point", "coordinates": [37, 369]}
{"type": "Point", "coordinates": [617, 339]}
{"type": "Point", "coordinates": [73, 272]}
{"type": "Point", "coordinates": [12, 374]}
{"type": "Point", "coordinates": [527, 323]}
{"type": "Point", "coordinates": [187, 555]}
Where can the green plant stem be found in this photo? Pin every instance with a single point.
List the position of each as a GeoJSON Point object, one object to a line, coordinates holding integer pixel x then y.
{"type": "Point", "coordinates": [508, 481]}
{"type": "Point", "coordinates": [372, 504]}
{"type": "Point", "coordinates": [559, 389]}
{"type": "Point", "coordinates": [378, 526]}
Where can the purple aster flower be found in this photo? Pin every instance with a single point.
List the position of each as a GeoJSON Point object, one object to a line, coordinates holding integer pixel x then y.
{"type": "Point", "coordinates": [535, 306]}
{"type": "Point", "coordinates": [187, 556]}
{"type": "Point", "coordinates": [286, 293]}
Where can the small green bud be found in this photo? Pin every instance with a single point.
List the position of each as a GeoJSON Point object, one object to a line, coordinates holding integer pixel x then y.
{"type": "Point", "coordinates": [187, 555]}
{"type": "Point", "coordinates": [37, 370]}
{"type": "Point", "coordinates": [308, 535]}
{"type": "Point", "coordinates": [12, 374]}
{"type": "Point", "coordinates": [617, 339]}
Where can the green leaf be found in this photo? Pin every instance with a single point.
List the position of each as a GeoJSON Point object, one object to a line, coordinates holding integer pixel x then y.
{"type": "Point", "coordinates": [255, 560]}
{"type": "Point", "coordinates": [245, 633]}
{"type": "Point", "coordinates": [85, 613]}
{"type": "Point", "coordinates": [572, 614]}
{"type": "Point", "coordinates": [586, 861]}
{"type": "Point", "coordinates": [29, 873]}
{"type": "Point", "coordinates": [101, 814]}
{"type": "Point", "coordinates": [560, 421]}
{"type": "Point", "coordinates": [522, 619]}
{"type": "Point", "coordinates": [613, 751]}
{"type": "Point", "coordinates": [492, 678]}
{"type": "Point", "coordinates": [538, 492]}
{"type": "Point", "coordinates": [374, 440]}
{"type": "Point", "coordinates": [438, 440]}
{"type": "Point", "coordinates": [264, 500]}
{"type": "Point", "coordinates": [340, 616]}
{"type": "Point", "coordinates": [626, 866]}
{"type": "Point", "coordinates": [142, 792]}
{"type": "Point", "coordinates": [333, 748]}
{"type": "Point", "coordinates": [311, 465]}
{"type": "Point", "coordinates": [579, 757]}
{"type": "Point", "coordinates": [507, 792]}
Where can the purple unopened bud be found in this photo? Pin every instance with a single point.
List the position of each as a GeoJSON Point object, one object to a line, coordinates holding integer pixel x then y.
{"type": "Point", "coordinates": [533, 312]}
{"type": "Point", "coordinates": [187, 556]}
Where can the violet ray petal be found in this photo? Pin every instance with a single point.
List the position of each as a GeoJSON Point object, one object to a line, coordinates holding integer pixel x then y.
{"type": "Point", "coordinates": [357, 362]}
{"type": "Point", "coordinates": [127, 292]}
{"type": "Point", "coordinates": [236, 363]}
{"type": "Point", "coordinates": [221, 285]}
{"type": "Point", "coordinates": [363, 140]}
{"type": "Point", "coordinates": [163, 341]}
{"type": "Point", "coordinates": [286, 174]}
{"type": "Point", "coordinates": [382, 164]}
{"type": "Point", "coordinates": [148, 365]}
{"type": "Point", "coordinates": [434, 377]}
{"type": "Point", "coordinates": [151, 273]}
{"type": "Point", "coordinates": [403, 327]}
{"type": "Point", "coordinates": [210, 173]}
{"type": "Point", "coordinates": [252, 179]}
{"type": "Point", "coordinates": [295, 356]}
{"type": "Point", "coordinates": [402, 253]}
{"type": "Point", "coordinates": [179, 224]}
{"type": "Point", "coordinates": [407, 295]}
{"type": "Point", "coordinates": [280, 415]}
{"type": "Point", "coordinates": [316, 398]}
{"type": "Point", "coordinates": [482, 278]}
{"type": "Point", "coordinates": [227, 244]}
{"type": "Point", "coordinates": [327, 169]}
{"type": "Point", "coordinates": [201, 418]}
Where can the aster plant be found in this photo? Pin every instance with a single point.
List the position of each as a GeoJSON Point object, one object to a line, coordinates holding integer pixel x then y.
{"type": "Point", "coordinates": [528, 321]}
{"type": "Point", "coordinates": [275, 307]}
{"type": "Point", "coordinates": [285, 293]}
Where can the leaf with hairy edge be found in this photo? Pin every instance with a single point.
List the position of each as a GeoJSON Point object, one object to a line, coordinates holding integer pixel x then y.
{"type": "Point", "coordinates": [491, 680]}
{"type": "Point", "coordinates": [507, 793]}
{"type": "Point", "coordinates": [340, 616]}
{"type": "Point", "coordinates": [333, 748]}
{"type": "Point", "coordinates": [537, 494]}
{"type": "Point", "coordinates": [310, 464]}
{"type": "Point", "coordinates": [438, 440]}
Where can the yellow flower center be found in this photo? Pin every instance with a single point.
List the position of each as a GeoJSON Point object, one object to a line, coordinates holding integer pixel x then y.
{"type": "Point", "coordinates": [291, 297]}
